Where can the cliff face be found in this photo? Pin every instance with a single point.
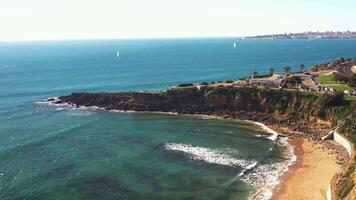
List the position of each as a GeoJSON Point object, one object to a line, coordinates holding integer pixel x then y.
{"type": "Point", "coordinates": [280, 105]}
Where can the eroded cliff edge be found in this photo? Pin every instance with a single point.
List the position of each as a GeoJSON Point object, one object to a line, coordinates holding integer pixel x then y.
{"type": "Point", "coordinates": [294, 109]}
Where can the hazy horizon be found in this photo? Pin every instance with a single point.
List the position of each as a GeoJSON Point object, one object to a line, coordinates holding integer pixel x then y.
{"type": "Point", "coordinates": [134, 19]}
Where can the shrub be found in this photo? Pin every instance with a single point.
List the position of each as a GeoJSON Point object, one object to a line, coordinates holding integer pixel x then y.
{"type": "Point", "coordinates": [352, 81]}
{"type": "Point", "coordinates": [331, 100]}
{"type": "Point", "coordinates": [344, 188]}
{"type": "Point", "coordinates": [293, 80]}
{"type": "Point", "coordinates": [327, 101]}
{"type": "Point", "coordinates": [229, 81]}
{"type": "Point", "coordinates": [204, 83]}
{"type": "Point", "coordinates": [185, 85]}
{"type": "Point", "coordinates": [339, 77]}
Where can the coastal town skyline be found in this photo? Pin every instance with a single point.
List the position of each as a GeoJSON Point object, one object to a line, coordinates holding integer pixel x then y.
{"type": "Point", "coordinates": [108, 19]}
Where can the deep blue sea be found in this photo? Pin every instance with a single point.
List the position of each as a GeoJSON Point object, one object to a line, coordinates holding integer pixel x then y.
{"type": "Point", "coordinates": [47, 152]}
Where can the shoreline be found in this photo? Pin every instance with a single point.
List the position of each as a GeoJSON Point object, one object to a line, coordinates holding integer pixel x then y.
{"type": "Point", "coordinates": [275, 131]}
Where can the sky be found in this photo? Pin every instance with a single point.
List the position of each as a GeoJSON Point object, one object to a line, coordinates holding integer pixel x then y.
{"type": "Point", "coordinates": [111, 19]}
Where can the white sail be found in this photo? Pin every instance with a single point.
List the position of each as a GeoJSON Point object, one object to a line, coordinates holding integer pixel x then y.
{"type": "Point", "coordinates": [235, 44]}
{"type": "Point", "coordinates": [118, 54]}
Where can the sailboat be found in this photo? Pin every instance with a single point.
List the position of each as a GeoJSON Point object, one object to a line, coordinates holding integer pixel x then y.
{"type": "Point", "coordinates": [118, 54]}
{"type": "Point", "coordinates": [235, 44]}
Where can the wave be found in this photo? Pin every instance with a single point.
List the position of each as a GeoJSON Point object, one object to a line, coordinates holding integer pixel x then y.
{"type": "Point", "coordinates": [55, 101]}
{"type": "Point", "coordinates": [274, 134]}
{"type": "Point", "coordinates": [212, 156]}
{"type": "Point", "coordinates": [265, 177]}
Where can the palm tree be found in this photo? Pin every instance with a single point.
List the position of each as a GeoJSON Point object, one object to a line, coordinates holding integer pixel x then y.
{"type": "Point", "coordinates": [271, 71]}
{"type": "Point", "coordinates": [254, 73]}
{"type": "Point", "coordinates": [302, 67]}
{"type": "Point", "coordinates": [286, 69]}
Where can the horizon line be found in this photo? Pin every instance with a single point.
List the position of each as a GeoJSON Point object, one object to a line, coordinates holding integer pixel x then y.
{"type": "Point", "coordinates": [156, 38]}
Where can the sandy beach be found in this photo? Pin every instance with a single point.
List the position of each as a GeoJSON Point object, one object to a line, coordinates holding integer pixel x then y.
{"type": "Point", "coordinates": [309, 177]}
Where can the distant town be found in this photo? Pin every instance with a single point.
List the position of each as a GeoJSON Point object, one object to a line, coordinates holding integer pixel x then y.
{"type": "Point", "coordinates": [307, 35]}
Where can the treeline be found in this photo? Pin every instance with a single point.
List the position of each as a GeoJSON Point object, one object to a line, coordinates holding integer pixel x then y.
{"type": "Point", "coordinates": [338, 77]}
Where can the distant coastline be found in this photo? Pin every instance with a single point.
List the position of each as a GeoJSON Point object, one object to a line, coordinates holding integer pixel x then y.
{"type": "Point", "coordinates": [306, 35]}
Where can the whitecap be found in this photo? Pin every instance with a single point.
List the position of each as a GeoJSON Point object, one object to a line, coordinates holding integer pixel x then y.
{"type": "Point", "coordinates": [212, 156]}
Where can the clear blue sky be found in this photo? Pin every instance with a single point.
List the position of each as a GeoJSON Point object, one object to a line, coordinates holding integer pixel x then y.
{"type": "Point", "coordinates": [94, 19]}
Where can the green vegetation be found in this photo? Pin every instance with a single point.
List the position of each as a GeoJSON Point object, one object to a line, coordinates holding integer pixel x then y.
{"type": "Point", "coordinates": [185, 85]}
{"type": "Point", "coordinates": [327, 79]}
{"type": "Point", "coordinates": [293, 80]}
{"type": "Point", "coordinates": [352, 81]}
{"type": "Point", "coordinates": [254, 73]}
{"type": "Point", "coordinates": [333, 81]}
{"type": "Point", "coordinates": [344, 188]}
{"type": "Point", "coordinates": [350, 98]}
{"type": "Point", "coordinates": [302, 68]}
{"type": "Point", "coordinates": [330, 65]}
{"type": "Point", "coordinates": [204, 83]}
{"type": "Point", "coordinates": [286, 69]}
{"type": "Point", "coordinates": [271, 71]}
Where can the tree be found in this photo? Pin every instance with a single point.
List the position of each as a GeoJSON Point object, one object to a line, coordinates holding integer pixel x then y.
{"type": "Point", "coordinates": [352, 81]}
{"type": "Point", "coordinates": [286, 69]}
{"type": "Point", "coordinates": [302, 67]}
{"type": "Point", "coordinates": [294, 80]}
{"type": "Point", "coordinates": [342, 60]}
{"type": "Point", "coordinates": [254, 73]}
{"type": "Point", "coordinates": [271, 71]}
{"type": "Point", "coordinates": [339, 77]}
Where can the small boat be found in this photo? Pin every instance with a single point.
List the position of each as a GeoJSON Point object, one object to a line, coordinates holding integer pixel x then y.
{"type": "Point", "coordinates": [235, 44]}
{"type": "Point", "coordinates": [118, 54]}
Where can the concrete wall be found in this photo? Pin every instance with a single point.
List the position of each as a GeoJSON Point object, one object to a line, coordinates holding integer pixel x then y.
{"type": "Point", "coordinates": [344, 142]}
{"type": "Point", "coordinates": [330, 195]}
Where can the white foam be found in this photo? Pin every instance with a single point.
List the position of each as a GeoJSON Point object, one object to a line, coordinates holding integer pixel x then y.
{"type": "Point", "coordinates": [265, 177]}
{"type": "Point", "coordinates": [274, 134]}
{"type": "Point", "coordinates": [212, 156]}
{"type": "Point", "coordinates": [81, 113]}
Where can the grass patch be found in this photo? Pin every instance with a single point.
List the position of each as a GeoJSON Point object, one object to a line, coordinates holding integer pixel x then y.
{"type": "Point", "coordinates": [328, 81]}
{"type": "Point", "coordinates": [350, 98]}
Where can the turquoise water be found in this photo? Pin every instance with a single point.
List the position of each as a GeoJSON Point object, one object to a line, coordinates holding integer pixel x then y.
{"type": "Point", "coordinates": [49, 153]}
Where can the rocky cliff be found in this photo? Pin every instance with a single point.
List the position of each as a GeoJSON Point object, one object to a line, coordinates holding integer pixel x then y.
{"type": "Point", "coordinates": [292, 108]}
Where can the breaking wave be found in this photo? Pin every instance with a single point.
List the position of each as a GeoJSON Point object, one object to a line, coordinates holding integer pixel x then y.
{"type": "Point", "coordinates": [265, 177]}
{"type": "Point", "coordinates": [274, 134]}
{"type": "Point", "coordinates": [212, 156]}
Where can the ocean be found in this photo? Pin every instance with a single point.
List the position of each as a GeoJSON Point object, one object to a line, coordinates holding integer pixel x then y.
{"type": "Point", "coordinates": [55, 152]}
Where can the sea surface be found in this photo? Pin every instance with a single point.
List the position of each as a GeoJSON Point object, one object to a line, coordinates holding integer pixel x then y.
{"type": "Point", "coordinates": [55, 152]}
